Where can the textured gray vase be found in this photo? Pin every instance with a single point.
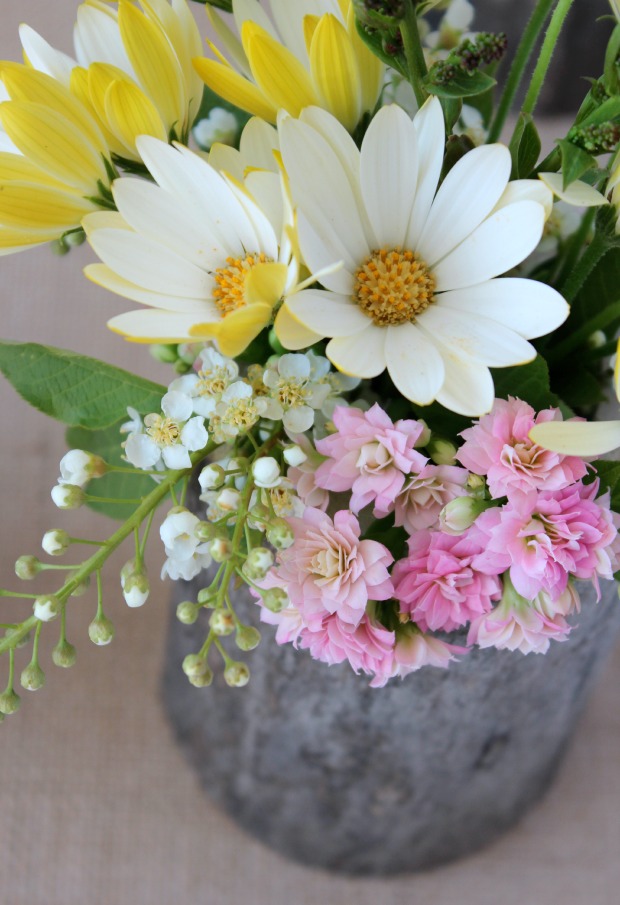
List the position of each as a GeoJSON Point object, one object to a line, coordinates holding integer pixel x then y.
{"type": "Point", "coordinates": [330, 772]}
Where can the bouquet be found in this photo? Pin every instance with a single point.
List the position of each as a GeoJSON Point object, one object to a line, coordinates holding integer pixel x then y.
{"type": "Point", "coordinates": [385, 332]}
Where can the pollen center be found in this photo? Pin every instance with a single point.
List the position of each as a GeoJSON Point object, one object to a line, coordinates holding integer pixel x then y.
{"type": "Point", "coordinates": [164, 431]}
{"type": "Point", "coordinates": [394, 286]}
{"type": "Point", "coordinates": [229, 293]}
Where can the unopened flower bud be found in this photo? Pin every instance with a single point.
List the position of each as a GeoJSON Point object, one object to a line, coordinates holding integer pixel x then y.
{"type": "Point", "coordinates": [206, 596]}
{"type": "Point", "coordinates": [27, 567]}
{"type": "Point", "coordinates": [258, 563]}
{"type": "Point", "coordinates": [211, 477]}
{"type": "Point", "coordinates": [128, 569]}
{"type": "Point", "coordinates": [221, 623]}
{"type": "Point", "coordinates": [78, 467]}
{"type": "Point", "coordinates": [204, 531]}
{"type": "Point", "coordinates": [596, 339]}
{"type": "Point", "coordinates": [247, 637]}
{"type": "Point", "coordinates": [68, 496]}
{"type": "Point", "coordinates": [442, 452]}
{"type": "Point", "coordinates": [236, 675]}
{"type": "Point", "coordinates": [475, 482]}
{"type": "Point", "coordinates": [425, 436]}
{"type": "Point", "coordinates": [56, 542]}
{"type": "Point", "coordinates": [280, 534]}
{"type": "Point", "coordinates": [46, 608]}
{"type": "Point", "coordinates": [166, 353]}
{"type": "Point", "coordinates": [203, 680]}
{"type": "Point", "coordinates": [458, 515]}
{"type": "Point", "coordinates": [187, 612]}
{"type": "Point", "coordinates": [64, 654]}
{"type": "Point", "coordinates": [259, 513]}
{"type": "Point", "coordinates": [294, 455]}
{"type": "Point", "coordinates": [101, 631]}
{"type": "Point", "coordinates": [136, 590]}
{"type": "Point", "coordinates": [228, 500]}
{"type": "Point", "coordinates": [275, 599]}
{"type": "Point", "coordinates": [220, 549]}
{"type": "Point", "coordinates": [9, 702]}
{"type": "Point", "coordinates": [266, 472]}
{"type": "Point", "coordinates": [32, 677]}
{"type": "Point", "coordinates": [195, 665]}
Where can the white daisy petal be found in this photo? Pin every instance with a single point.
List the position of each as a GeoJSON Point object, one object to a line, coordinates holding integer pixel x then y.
{"type": "Point", "coordinates": [328, 312]}
{"type": "Point", "coordinates": [44, 57]}
{"type": "Point", "coordinates": [578, 193]}
{"type": "Point", "coordinates": [430, 128]}
{"type": "Point", "coordinates": [251, 10]}
{"type": "Point", "coordinates": [501, 242]}
{"type": "Point", "coordinates": [319, 255]}
{"type": "Point", "coordinates": [361, 355]}
{"type": "Point", "coordinates": [151, 325]}
{"type": "Point", "coordinates": [468, 387]}
{"type": "Point", "coordinates": [389, 173]}
{"type": "Point", "coordinates": [414, 364]}
{"type": "Point", "coordinates": [467, 195]}
{"type": "Point", "coordinates": [527, 190]}
{"type": "Point", "coordinates": [578, 438]}
{"type": "Point", "coordinates": [258, 142]}
{"type": "Point", "coordinates": [478, 338]}
{"type": "Point", "coordinates": [103, 276]}
{"type": "Point", "coordinates": [528, 307]}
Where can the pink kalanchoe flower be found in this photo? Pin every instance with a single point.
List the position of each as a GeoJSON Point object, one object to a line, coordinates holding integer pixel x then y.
{"type": "Point", "coordinates": [565, 533]}
{"type": "Point", "coordinates": [369, 455]}
{"type": "Point", "coordinates": [425, 494]}
{"type": "Point", "coordinates": [518, 624]}
{"type": "Point", "coordinates": [438, 584]}
{"type": "Point", "coordinates": [412, 651]}
{"type": "Point", "coordinates": [499, 447]}
{"type": "Point", "coordinates": [367, 646]}
{"type": "Point", "coordinates": [328, 569]}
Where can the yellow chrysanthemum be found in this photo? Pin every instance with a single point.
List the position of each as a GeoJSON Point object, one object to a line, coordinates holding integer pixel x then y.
{"type": "Point", "coordinates": [54, 160]}
{"type": "Point", "coordinates": [305, 54]}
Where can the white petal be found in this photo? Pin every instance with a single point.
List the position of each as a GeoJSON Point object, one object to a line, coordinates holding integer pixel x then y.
{"type": "Point", "coordinates": [298, 420]}
{"type": "Point", "coordinates": [430, 129]}
{"type": "Point", "coordinates": [328, 313]}
{"type": "Point", "coordinates": [155, 326]}
{"type": "Point", "coordinates": [149, 264]}
{"type": "Point", "coordinates": [320, 186]}
{"type": "Point", "coordinates": [177, 406]}
{"type": "Point", "coordinates": [389, 174]}
{"type": "Point", "coordinates": [578, 193]}
{"type": "Point", "coordinates": [361, 355]}
{"type": "Point", "coordinates": [414, 364]}
{"type": "Point", "coordinates": [258, 142]}
{"type": "Point", "coordinates": [483, 340]}
{"type": "Point", "coordinates": [141, 451]}
{"type": "Point", "coordinates": [467, 195]}
{"type": "Point", "coordinates": [294, 365]}
{"type": "Point", "coordinates": [468, 387]}
{"type": "Point", "coordinates": [528, 307]}
{"type": "Point", "coordinates": [319, 255]}
{"type": "Point", "coordinates": [265, 238]}
{"type": "Point", "coordinates": [527, 190]}
{"type": "Point", "coordinates": [578, 438]}
{"type": "Point", "coordinates": [194, 435]}
{"type": "Point", "coordinates": [501, 242]}
{"type": "Point", "coordinates": [97, 39]}
{"type": "Point", "coordinates": [265, 188]}
{"type": "Point", "coordinates": [44, 57]}
{"type": "Point", "coordinates": [176, 457]}
{"type": "Point", "coordinates": [103, 276]}
{"type": "Point", "coordinates": [251, 10]}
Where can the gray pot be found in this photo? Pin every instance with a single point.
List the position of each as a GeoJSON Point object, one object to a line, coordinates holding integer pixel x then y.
{"type": "Point", "coordinates": [332, 773]}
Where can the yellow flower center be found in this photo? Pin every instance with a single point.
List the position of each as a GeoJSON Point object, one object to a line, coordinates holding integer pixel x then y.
{"type": "Point", "coordinates": [393, 286]}
{"type": "Point", "coordinates": [229, 294]}
{"type": "Point", "coordinates": [164, 431]}
{"type": "Point", "coordinates": [212, 383]}
{"type": "Point", "coordinates": [291, 393]}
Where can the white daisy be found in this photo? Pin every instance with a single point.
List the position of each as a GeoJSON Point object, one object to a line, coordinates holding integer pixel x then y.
{"type": "Point", "coordinates": [417, 291]}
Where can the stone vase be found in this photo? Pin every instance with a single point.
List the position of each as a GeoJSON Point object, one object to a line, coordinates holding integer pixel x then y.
{"type": "Point", "coordinates": [335, 774]}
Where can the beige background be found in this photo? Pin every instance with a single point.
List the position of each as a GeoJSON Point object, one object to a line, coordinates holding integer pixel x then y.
{"type": "Point", "coordinates": [97, 806]}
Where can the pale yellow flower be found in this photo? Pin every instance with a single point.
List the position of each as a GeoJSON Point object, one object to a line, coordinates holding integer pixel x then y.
{"type": "Point", "coordinates": [304, 54]}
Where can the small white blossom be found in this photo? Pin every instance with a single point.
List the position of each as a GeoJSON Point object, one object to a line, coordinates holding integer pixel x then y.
{"type": "Point", "coordinates": [219, 126]}
{"type": "Point", "coordinates": [283, 499]}
{"type": "Point", "coordinates": [239, 410]}
{"type": "Point", "coordinates": [136, 590]}
{"type": "Point", "coordinates": [135, 424]}
{"type": "Point", "coordinates": [68, 496]}
{"type": "Point", "coordinates": [186, 555]}
{"type": "Point", "coordinates": [56, 542]}
{"type": "Point", "coordinates": [46, 608]}
{"type": "Point", "coordinates": [266, 472]}
{"type": "Point", "coordinates": [212, 476]}
{"type": "Point", "coordinates": [297, 388]}
{"type": "Point", "coordinates": [167, 439]}
{"type": "Point", "coordinates": [213, 373]}
{"type": "Point", "coordinates": [79, 467]}
{"type": "Point", "coordinates": [294, 455]}
{"type": "Point", "coordinates": [228, 500]}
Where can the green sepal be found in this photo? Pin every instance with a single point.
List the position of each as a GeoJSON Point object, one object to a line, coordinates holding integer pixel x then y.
{"type": "Point", "coordinates": [525, 146]}
{"type": "Point", "coordinates": [462, 84]}
{"type": "Point", "coordinates": [575, 162]}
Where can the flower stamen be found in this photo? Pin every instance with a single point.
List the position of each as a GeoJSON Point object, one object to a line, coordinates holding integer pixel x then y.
{"type": "Point", "coordinates": [394, 286]}
{"type": "Point", "coordinates": [229, 295]}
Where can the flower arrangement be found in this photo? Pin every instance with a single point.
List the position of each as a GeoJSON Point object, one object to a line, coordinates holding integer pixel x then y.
{"type": "Point", "coordinates": [386, 330]}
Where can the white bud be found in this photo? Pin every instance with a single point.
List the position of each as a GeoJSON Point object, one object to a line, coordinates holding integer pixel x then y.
{"type": "Point", "coordinates": [236, 675]}
{"type": "Point", "coordinates": [56, 542]}
{"type": "Point", "coordinates": [266, 472]}
{"type": "Point", "coordinates": [101, 631]}
{"type": "Point", "coordinates": [136, 590]}
{"type": "Point", "coordinates": [211, 477]}
{"type": "Point", "coordinates": [258, 563]}
{"type": "Point", "coordinates": [294, 455]}
{"type": "Point", "coordinates": [221, 623]}
{"type": "Point", "coordinates": [79, 467]}
{"type": "Point", "coordinates": [458, 515]}
{"type": "Point", "coordinates": [220, 549]}
{"type": "Point", "coordinates": [46, 608]}
{"type": "Point", "coordinates": [280, 534]}
{"type": "Point", "coordinates": [68, 496]}
{"type": "Point", "coordinates": [228, 500]}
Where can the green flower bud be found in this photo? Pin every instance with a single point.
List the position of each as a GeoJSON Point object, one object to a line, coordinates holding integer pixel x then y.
{"type": "Point", "coordinates": [221, 623]}
{"type": "Point", "coordinates": [64, 655]}
{"type": "Point", "coordinates": [166, 353]}
{"type": "Point", "coordinates": [195, 665]}
{"type": "Point", "coordinates": [101, 631]}
{"type": "Point", "coordinates": [202, 681]}
{"type": "Point", "coordinates": [187, 612]}
{"type": "Point", "coordinates": [221, 549]}
{"type": "Point", "coordinates": [68, 496]}
{"type": "Point", "coordinates": [27, 567]}
{"type": "Point", "coordinates": [236, 675]}
{"type": "Point", "coordinates": [441, 451]}
{"type": "Point", "coordinates": [9, 702]}
{"type": "Point", "coordinates": [32, 677]}
{"type": "Point", "coordinates": [258, 563]}
{"type": "Point", "coordinates": [275, 599]}
{"type": "Point", "coordinates": [280, 534]}
{"type": "Point", "coordinates": [247, 637]}
{"type": "Point", "coordinates": [56, 542]}
{"type": "Point", "coordinates": [206, 596]}
{"type": "Point", "coordinates": [205, 531]}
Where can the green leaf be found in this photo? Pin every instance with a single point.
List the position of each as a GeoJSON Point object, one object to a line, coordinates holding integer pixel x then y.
{"type": "Point", "coordinates": [107, 444]}
{"type": "Point", "coordinates": [575, 162]}
{"type": "Point", "coordinates": [612, 81]}
{"type": "Point", "coordinates": [525, 147]}
{"type": "Point", "coordinates": [600, 289]}
{"type": "Point", "coordinates": [529, 382]}
{"type": "Point", "coordinates": [464, 84]}
{"type": "Point", "coordinates": [73, 388]}
{"type": "Point", "coordinates": [609, 473]}
{"type": "Point", "coordinates": [581, 389]}
{"type": "Point", "coordinates": [608, 110]}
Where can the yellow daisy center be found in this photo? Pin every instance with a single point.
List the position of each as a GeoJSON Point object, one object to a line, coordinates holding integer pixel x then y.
{"type": "Point", "coordinates": [393, 286]}
{"type": "Point", "coordinates": [229, 294]}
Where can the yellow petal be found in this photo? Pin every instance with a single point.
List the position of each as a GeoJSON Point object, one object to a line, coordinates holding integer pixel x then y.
{"type": "Point", "coordinates": [33, 207]}
{"type": "Point", "coordinates": [335, 72]}
{"type": "Point", "coordinates": [264, 284]}
{"type": "Point", "coordinates": [229, 40]}
{"type": "Point", "coordinates": [130, 113]}
{"type": "Point", "coordinates": [52, 142]}
{"type": "Point", "coordinates": [578, 438]}
{"type": "Point", "coordinates": [14, 240]}
{"type": "Point", "coordinates": [234, 88]}
{"type": "Point", "coordinates": [277, 72]}
{"type": "Point", "coordinates": [25, 84]}
{"type": "Point", "coordinates": [155, 64]}
{"type": "Point", "coordinates": [81, 90]}
{"type": "Point", "coordinates": [291, 333]}
{"type": "Point", "coordinates": [617, 372]}
{"type": "Point", "coordinates": [15, 167]}
{"type": "Point", "coordinates": [371, 69]}
{"type": "Point", "coordinates": [310, 24]}
{"type": "Point", "coordinates": [578, 192]}
{"type": "Point", "coordinates": [236, 331]}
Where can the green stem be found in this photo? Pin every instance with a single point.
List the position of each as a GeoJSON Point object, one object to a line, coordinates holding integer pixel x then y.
{"type": "Point", "coordinates": [96, 561]}
{"type": "Point", "coordinates": [566, 262]}
{"type": "Point", "coordinates": [546, 52]}
{"type": "Point", "coordinates": [580, 336]}
{"type": "Point", "coordinates": [414, 54]}
{"type": "Point", "coordinates": [519, 65]}
{"type": "Point", "coordinates": [583, 268]}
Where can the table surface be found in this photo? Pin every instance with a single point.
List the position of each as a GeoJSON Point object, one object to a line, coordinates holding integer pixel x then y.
{"type": "Point", "coordinates": [98, 805]}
